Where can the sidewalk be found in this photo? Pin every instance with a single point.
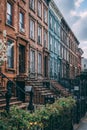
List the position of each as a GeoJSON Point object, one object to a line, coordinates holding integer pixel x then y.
{"type": "Point", "coordinates": [76, 126]}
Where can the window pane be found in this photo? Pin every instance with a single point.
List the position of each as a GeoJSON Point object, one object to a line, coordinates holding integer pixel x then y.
{"type": "Point", "coordinates": [9, 9]}
{"type": "Point", "coordinates": [39, 8]}
{"type": "Point", "coordinates": [39, 63]}
{"type": "Point", "coordinates": [21, 20]}
{"type": "Point", "coordinates": [39, 34]}
{"type": "Point", "coordinates": [45, 39]}
{"type": "Point", "coordinates": [9, 13]}
{"type": "Point", "coordinates": [45, 15]}
{"type": "Point", "coordinates": [32, 61]}
{"type": "Point", "coordinates": [31, 29]}
{"type": "Point", "coordinates": [32, 4]}
{"type": "Point", "coordinates": [10, 54]}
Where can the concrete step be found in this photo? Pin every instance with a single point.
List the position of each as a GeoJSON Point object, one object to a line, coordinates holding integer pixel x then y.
{"type": "Point", "coordinates": [23, 106]}
{"type": "Point", "coordinates": [3, 91]}
{"type": "Point", "coordinates": [2, 88]}
{"type": "Point", "coordinates": [3, 100]}
{"type": "Point", "coordinates": [2, 106]}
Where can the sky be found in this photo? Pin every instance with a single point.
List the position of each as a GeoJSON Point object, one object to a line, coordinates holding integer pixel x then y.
{"type": "Point", "coordinates": [75, 14]}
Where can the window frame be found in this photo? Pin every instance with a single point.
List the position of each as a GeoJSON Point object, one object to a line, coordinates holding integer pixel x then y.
{"type": "Point", "coordinates": [39, 34]}
{"type": "Point", "coordinates": [45, 15]}
{"type": "Point", "coordinates": [32, 7]}
{"type": "Point", "coordinates": [11, 57]}
{"type": "Point", "coordinates": [39, 64]}
{"type": "Point", "coordinates": [32, 35]}
{"type": "Point", "coordinates": [45, 38]}
{"type": "Point", "coordinates": [21, 23]}
{"type": "Point", "coordinates": [9, 22]}
{"type": "Point", "coordinates": [39, 10]}
{"type": "Point", "coordinates": [32, 61]}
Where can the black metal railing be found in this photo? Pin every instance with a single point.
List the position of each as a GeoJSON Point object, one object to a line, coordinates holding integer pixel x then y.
{"type": "Point", "coordinates": [8, 93]}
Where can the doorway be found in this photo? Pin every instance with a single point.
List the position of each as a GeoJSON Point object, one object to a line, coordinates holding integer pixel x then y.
{"type": "Point", "coordinates": [45, 66]}
{"type": "Point", "coordinates": [20, 90]}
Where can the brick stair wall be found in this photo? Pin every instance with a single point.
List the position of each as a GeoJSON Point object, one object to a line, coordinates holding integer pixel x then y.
{"type": "Point", "coordinates": [40, 92]}
{"type": "Point", "coordinates": [56, 86]}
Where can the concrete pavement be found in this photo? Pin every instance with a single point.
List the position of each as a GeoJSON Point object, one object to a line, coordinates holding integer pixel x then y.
{"type": "Point", "coordinates": [82, 125]}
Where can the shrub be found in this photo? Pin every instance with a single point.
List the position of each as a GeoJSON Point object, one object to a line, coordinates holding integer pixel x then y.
{"type": "Point", "coordinates": [57, 116]}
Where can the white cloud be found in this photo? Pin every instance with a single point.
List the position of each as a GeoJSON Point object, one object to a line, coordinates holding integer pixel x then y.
{"type": "Point", "coordinates": [83, 45]}
{"type": "Point", "coordinates": [78, 3]}
{"type": "Point", "coordinates": [75, 14]}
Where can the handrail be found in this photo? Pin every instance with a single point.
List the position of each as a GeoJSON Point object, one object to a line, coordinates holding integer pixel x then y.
{"type": "Point", "coordinates": [2, 94]}
{"type": "Point", "coordinates": [8, 93]}
{"type": "Point", "coordinates": [4, 76]}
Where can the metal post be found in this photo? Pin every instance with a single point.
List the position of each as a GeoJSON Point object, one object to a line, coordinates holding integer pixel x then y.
{"type": "Point", "coordinates": [8, 95]}
{"type": "Point", "coordinates": [31, 106]}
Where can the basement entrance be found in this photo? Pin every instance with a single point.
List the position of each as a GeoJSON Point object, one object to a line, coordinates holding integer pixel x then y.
{"type": "Point", "coordinates": [20, 94]}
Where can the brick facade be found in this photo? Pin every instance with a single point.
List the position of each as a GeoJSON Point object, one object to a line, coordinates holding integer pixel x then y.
{"type": "Point", "coordinates": [23, 44]}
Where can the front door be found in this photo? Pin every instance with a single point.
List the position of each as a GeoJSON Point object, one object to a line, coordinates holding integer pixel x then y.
{"type": "Point", "coordinates": [21, 90]}
{"type": "Point", "coordinates": [21, 59]}
{"type": "Point", "coordinates": [45, 66]}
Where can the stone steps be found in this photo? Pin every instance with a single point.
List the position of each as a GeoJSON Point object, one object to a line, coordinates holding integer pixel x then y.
{"type": "Point", "coordinates": [13, 100]}
{"type": "Point", "coordinates": [2, 106]}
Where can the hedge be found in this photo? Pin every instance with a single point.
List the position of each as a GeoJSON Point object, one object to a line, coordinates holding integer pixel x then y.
{"type": "Point", "coordinates": [57, 116]}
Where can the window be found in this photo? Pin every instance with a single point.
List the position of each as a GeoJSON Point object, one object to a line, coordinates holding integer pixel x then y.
{"type": "Point", "coordinates": [39, 63]}
{"type": "Point", "coordinates": [32, 61]}
{"type": "Point", "coordinates": [32, 29]}
{"type": "Point", "coordinates": [10, 54]}
{"type": "Point", "coordinates": [45, 38]}
{"type": "Point", "coordinates": [58, 47]}
{"type": "Point", "coordinates": [9, 13]}
{"type": "Point", "coordinates": [45, 15]}
{"type": "Point", "coordinates": [55, 27]}
{"type": "Point", "coordinates": [55, 46]}
{"type": "Point", "coordinates": [39, 34]}
{"type": "Point", "coordinates": [39, 9]}
{"type": "Point", "coordinates": [32, 4]}
{"type": "Point", "coordinates": [50, 43]}
{"type": "Point", "coordinates": [21, 22]}
{"type": "Point", "coordinates": [84, 65]}
{"type": "Point", "coordinates": [50, 21]}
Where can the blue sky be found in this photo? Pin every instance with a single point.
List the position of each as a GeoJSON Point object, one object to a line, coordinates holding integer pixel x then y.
{"type": "Point", "coordinates": [75, 13]}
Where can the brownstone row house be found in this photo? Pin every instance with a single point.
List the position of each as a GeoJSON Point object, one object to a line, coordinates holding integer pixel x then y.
{"type": "Point", "coordinates": [24, 30]}
{"type": "Point", "coordinates": [70, 52]}
{"type": "Point", "coordinates": [24, 24]}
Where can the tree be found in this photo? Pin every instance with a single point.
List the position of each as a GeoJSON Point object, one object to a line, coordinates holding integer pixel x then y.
{"type": "Point", "coordinates": [3, 56]}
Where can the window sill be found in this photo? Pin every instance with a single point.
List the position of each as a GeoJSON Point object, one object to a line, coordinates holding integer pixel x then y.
{"type": "Point", "coordinates": [46, 22]}
{"type": "Point", "coordinates": [10, 26]}
{"type": "Point", "coordinates": [33, 10]}
{"type": "Point", "coordinates": [10, 70]}
{"type": "Point", "coordinates": [40, 17]}
{"type": "Point", "coordinates": [23, 33]}
{"type": "Point", "coordinates": [39, 44]}
{"type": "Point", "coordinates": [24, 1]}
{"type": "Point", "coordinates": [32, 39]}
{"type": "Point", "coordinates": [39, 74]}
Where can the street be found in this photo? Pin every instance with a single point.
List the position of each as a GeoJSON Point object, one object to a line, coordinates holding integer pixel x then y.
{"type": "Point", "coordinates": [83, 125]}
